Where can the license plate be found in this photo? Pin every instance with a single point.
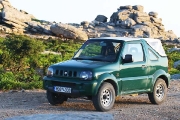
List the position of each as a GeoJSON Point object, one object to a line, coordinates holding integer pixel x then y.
{"type": "Point", "coordinates": [62, 89]}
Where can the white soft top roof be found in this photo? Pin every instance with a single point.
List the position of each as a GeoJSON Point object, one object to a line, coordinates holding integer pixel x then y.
{"type": "Point", "coordinates": [154, 43]}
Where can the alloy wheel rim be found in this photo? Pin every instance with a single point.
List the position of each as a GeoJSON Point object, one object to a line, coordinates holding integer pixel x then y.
{"type": "Point", "coordinates": [160, 92]}
{"type": "Point", "coordinates": [106, 97]}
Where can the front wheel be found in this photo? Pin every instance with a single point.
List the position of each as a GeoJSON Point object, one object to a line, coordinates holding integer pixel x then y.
{"type": "Point", "coordinates": [54, 98]}
{"type": "Point", "coordinates": [159, 93]}
{"type": "Point", "coordinates": [105, 98]}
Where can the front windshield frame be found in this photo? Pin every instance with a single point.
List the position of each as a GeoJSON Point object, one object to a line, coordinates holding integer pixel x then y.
{"type": "Point", "coordinates": [95, 51]}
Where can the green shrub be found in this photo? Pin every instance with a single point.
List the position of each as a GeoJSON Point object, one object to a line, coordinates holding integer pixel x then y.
{"type": "Point", "coordinates": [21, 59]}
{"type": "Point", "coordinates": [10, 81]}
{"type": "Point", "coordinates": [11, 85]}
{"type": "Point", "coordinates": [7, 76]}
{"type": "Point", "coordinates": [178, 68]}
{"type": "Point", "coordinates": [174, 71]}
{"type": "Point", "coordinates": [17, 50]}
{"type": "Point", "coordinates": [172, 57]}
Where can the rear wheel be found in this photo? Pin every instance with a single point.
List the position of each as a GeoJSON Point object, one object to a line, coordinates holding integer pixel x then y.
{"type": "Point", "coordinates": [54, 98]}
{"type": "Point", "coordinates": [105, 98]}
{"type": "Point", "coordinates": [159, 92]}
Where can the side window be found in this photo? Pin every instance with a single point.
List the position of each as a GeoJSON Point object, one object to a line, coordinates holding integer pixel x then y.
{"type": "Point", "coordinates": [135, 50]}
{"type": "Point", "coordinates": [152, 56]}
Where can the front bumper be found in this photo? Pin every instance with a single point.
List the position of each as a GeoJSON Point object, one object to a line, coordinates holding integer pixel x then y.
{"type": "Point", "coordinates": [78, 87]}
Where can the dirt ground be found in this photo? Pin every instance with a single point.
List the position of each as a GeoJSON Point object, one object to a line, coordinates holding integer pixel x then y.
{"type": "Point", "coordinates": [28, 102]}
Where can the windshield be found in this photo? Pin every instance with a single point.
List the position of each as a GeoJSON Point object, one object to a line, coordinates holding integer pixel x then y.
{"type": "Point", "coordinates": [100, 50]}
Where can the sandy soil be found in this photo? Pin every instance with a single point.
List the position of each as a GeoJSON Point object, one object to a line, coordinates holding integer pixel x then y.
{"type": "Point", "coordinates": [28, 102]}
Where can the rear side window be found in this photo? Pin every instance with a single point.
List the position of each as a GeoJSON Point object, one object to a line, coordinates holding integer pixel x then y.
{"type": "Point", "coordinates": [152, 55]}
{"type": "Point", "coordinates": [135, 50]}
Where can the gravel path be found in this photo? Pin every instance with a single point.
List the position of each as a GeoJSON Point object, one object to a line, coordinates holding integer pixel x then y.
{"type": "Point", "coordinates": [30, 102]}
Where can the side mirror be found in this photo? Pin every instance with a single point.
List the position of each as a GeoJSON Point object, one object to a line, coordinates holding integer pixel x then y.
{"type": "Point", "coordinates": [128, 58]}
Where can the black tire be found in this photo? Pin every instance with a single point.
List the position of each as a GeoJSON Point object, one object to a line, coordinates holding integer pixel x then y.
{"type": "Point", "coordinates": [159, 93]}
{"type": "Point", "coordinates": [54, 98]}
{"type": "Point", "coordinates": [105, 98]}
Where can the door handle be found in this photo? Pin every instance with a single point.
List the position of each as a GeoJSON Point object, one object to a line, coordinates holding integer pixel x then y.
{"type": "Point", "coordinates": [144, 66]}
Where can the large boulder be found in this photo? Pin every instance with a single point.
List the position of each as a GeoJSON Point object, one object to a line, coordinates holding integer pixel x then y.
{"type": "Point", "coordinates": [68, 31]}
{"type": "Point", "coordinates": [101, 18]}
{"type": "Point", "coordinates": [12, 14]}
{"type": "Point", "coordinates": [145, 30]}
{"type": "Point", "coordinates": [141, 14]}
{"type": "Point", "coordinates": [138, 8]}
{"type": "Point", "coordinates": [141, 19]}
{"type": "Point", "coordinates": [13, 18]}
{"type": "Point", "coordinates": [5, 3]}
{"type": "Point", "coordinates": [153, 14]}
{"type": "Point", "coordinates": [126, 7]}
{"type": "Point", "coordinates": [127, 23]}
{"type": "Point", "coordinates": [37, 27]}
{"type": "Point", "coordinates": [108, 35]}
{"type": "Point", "coordinates": [124, 14]}
{"type": "Point", "coordinates": [156, 20]}
{"type": "Point", "coordinates": [175, 76]}
{"type": "Point", "coordinates": [174, 49]}
{"type": "Point", "coordinates": [176, 64]}
{"type": "Point", "coordinates": [85, 24]}
{"type": "Point", "coordinates": [170, 35]}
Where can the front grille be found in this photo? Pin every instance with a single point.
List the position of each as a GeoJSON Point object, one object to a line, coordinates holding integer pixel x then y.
{"type": "Point", "coordinates": [64, 84]}
{"type": "Point", "coordinates": [65, 73]}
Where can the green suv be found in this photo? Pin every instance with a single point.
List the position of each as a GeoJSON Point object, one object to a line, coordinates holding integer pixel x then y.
{"type": "Point", "coordinates": [106, 67]}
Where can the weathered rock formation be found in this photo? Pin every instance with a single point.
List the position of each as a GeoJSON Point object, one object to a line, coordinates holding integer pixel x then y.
{"type": "Point", "coordinates": [14, 19]}
{"type": "Point", "coordinates": [68, 31]}
{"type": "Point", "coordinates": [132, 21]}
{"type": "Point", "coordinates": [126, 21]}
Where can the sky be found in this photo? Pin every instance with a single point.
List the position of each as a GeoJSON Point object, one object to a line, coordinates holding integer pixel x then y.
{"type": "Point", "coordinates": [76, 11]}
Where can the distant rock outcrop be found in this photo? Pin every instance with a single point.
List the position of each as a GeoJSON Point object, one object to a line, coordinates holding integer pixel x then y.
{"type": "Point", "coordinates": [126, 21]}
{"type": "Point", "coordinates": [13, 18]}
{"type": "Point", "coordinates": [133, 21]}
{"type": "Point", "coordinates": [101, 18]}
{"type": "Point", "coordinates": [68, 31]}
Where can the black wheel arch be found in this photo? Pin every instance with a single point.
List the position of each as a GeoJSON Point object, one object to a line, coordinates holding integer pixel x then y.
{"type": "Point", "coordinates": [114, 84]}
{"type": "Point", "coordinates": [165, 79]}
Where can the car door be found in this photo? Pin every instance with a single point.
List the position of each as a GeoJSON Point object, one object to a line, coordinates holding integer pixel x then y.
{"type": "Point", "coordinates": [134, 75]}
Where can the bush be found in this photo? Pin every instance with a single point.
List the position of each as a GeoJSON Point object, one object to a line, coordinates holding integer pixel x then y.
{"type": "Point", "coordinates": [10, 85]}
{"type": "Point", "coordinates": [10, 81]}
{"type": "Point", "coordinates": [21, 58]}
{"type": "Point", "coordinates": [174, 71]}
{"type": "Point", "coordinates": [7, 76]}
{"type": "Point", "coordinates": [172, 57]}
{"type": "Point", "coordinates": [17, 50]}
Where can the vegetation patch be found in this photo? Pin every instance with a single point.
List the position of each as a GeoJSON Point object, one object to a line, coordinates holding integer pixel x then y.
{"type": "Point", "coordinates": [22, 64]}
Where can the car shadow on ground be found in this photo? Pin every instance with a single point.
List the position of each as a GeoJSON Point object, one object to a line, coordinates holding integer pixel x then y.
{"type": "Point", "coordinates": [133, 99]}
{"type": "Point", "coordinates": [78, 104]}
{"type": "Point", "coordinates": [38, 101]}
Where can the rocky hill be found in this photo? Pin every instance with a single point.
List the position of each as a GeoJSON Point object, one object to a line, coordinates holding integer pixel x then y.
{"type": "Point", "coordinates": [126, 21]}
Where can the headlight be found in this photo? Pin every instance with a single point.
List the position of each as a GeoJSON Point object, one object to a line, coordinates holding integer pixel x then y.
{"type": "Point", "coordinates": [86, 75]}
{"type": "Point", "coordinates": [50, 72]}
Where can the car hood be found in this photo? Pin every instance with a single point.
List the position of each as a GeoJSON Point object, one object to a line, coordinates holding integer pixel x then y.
{"type": "Point", "coordinates": [80, 64]}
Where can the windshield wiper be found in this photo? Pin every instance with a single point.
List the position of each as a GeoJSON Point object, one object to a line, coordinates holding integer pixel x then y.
{"type": "Point", "coordinates": [95, 59]}
{"type": "Point", "coordinates": [78, 58]}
